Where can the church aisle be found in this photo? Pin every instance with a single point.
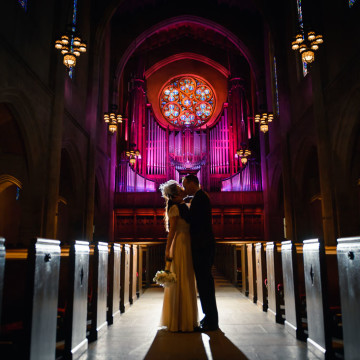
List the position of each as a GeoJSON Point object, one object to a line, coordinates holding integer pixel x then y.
{"type": "Point", "coordinates": [246, 333]}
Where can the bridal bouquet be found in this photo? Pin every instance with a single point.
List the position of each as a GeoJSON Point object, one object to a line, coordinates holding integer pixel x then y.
{"type": "Point", "coordinates": [165, 278]}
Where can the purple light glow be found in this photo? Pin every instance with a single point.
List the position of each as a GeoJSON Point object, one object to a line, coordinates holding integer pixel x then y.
{"type": "Point", "coordinates": [248, 179]}
{"type": "Point", "coordinates": [134, 182]}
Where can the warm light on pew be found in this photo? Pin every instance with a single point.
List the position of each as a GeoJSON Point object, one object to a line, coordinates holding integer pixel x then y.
{"type": "Point", "coordinates": [16, 254]}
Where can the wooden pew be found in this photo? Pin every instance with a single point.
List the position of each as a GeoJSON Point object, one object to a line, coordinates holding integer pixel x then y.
{"type": "Point", "coordinates": [2, 270]}
{"type": "Point", "coordinates": [124, 277]}
{"type": "Point", "coordinates": [12, 334]}
{"type": "Point", "coordinates": [260, 267]}
{"type": "Point", "coordinates": [348, 255]}
{"type": "Point", "coordinates": [63, 300]}
{"type": "Point", "coordinates": [274, 281]}
{"type": "Point", "coordinates": [146, 267]}
{"type": "Point", "coordinates": [114, 283]}
{"type": "Point", "coordinates": [41, 299]}
{"type": "Point", "coordinates": [294, 286]}
{"type": "Point", "coordinates": [226, 261]}
{"type": "Point", "coordinates": [231, 266]}
{"type": "Point", "coordinates": [99, 290]}
{"type": "Point", "coordinates": [142, 267]}
{"type": "Point", "coordinates": [76, 342]}
{"type": "Point", "coordinates": [71, 311]}
{"type": "Point", "coordinates": [251, 272]}
{"type": "Point", "coordinates": [156, 259]}
{"type": "Point", "coordinates": [244, 269]}
{"type": "Point", "coordinates": [133, 273]}
{"type": "Point", "coordinates": [218, 259]}
{"type": "Point", "coordinates": [321, 296]}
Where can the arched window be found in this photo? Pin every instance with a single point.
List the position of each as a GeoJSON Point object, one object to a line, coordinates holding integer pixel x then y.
{"type": "Point", "coordinates": [74, 18]}
{"type": "Point", "coordinates": [301, 24]}
{"type": "Point", "coordinates": [187, 101]}
{"type": "Point", "coordinates": [351, 3]}
{"type": "Point", "coordinates": [23, 4]}
{"type": "Point", "coordinates": [276, 87]}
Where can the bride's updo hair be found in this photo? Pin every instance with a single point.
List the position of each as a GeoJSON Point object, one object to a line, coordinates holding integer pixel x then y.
{"type": "Point", "coordinates": [168, 191]}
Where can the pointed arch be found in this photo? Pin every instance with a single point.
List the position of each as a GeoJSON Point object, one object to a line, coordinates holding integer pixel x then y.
{"type": "Point", "coordinates": [8, 180]}
{"type": "Point", "coordinates": [30, 132]}
{"type": "Point", "coordinates": [189, 19]}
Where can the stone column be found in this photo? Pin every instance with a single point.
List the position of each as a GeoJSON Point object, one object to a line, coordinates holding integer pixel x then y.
{"type": "Point", "coordinates": [137, 117]}
{"type": "Point", "coordinates": [324, 157]}
{"type": "Point", "coordinates": [51, 193]}
{"type": "Point", "coordinates": [289, 232]}
{"type": "Point", "coordinates": [236, 103]}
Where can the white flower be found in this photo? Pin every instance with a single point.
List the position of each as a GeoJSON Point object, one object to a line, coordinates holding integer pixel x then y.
{"type": "Point", "coordinates": [165, 278]}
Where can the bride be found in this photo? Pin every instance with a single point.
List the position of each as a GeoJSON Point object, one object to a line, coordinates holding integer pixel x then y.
{"type": "Point", "coordinates": [179, 312]}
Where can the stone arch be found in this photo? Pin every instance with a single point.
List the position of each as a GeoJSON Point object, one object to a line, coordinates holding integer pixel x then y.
{"type": "Point", "coordinates": [24, 116]}
{"type": "Point", "coordinates": [8, 180]}
{"type": "Point", "coordinates": [10, 209]}
{"type": "Point", "coordinates": [76, 163]}
{"type": "Point", "coordinates": [192, 56]}
{"type": "Point", "coordinates": [102, 28]}
{"type": "Point", "coordinates": [192, 20]}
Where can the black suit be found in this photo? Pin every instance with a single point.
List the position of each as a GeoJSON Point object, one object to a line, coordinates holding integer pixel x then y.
{"type": "Point", "coordinates": [203, 250]}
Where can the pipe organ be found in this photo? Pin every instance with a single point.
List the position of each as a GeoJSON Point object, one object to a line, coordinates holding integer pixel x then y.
{"type": "Point", "coordinates": [156, 142]}
{"type": "Point", "coordinates": [170, 152]}
{"type": "Point", "coordinates": [219, 148]}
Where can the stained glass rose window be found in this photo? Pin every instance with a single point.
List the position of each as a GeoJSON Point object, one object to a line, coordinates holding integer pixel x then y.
{"type": "Point", "coordinates": [187, 101]}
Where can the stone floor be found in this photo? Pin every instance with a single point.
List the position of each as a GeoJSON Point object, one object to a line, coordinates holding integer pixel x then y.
{"type": "Point", "coordinates": [246, 333]}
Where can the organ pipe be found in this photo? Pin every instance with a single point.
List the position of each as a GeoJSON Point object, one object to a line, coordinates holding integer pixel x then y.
{"type": "Point", "coordinates": [211, 152]}
{"type": "Point", "coordinates": [223, 145]}
{"type": "Point", "coordinates": [218, 152]}
{"type": "Point", "coordinates": [155, 149]}
{"type": "Point", "coordinates": [227, 147]}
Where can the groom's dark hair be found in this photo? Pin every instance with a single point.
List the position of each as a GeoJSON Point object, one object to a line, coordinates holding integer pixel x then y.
{"type": "Point", "coordinates": [192, 178]}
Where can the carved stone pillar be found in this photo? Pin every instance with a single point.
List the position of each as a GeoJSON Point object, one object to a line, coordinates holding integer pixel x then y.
{"type": "Point", "coordinates": [51, 193]}
{"type": "Point", "coordinates": [324, 158]}
{"type": "Point", "coordinates": [236, 113]}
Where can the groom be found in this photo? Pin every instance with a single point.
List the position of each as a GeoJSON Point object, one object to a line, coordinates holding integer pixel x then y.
{"type": "Point", "coordinates": [203, 250]}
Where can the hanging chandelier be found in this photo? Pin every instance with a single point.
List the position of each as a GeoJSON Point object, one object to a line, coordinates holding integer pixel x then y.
{"type": "Point", "coordinates": [112, 119]}
{"type": "Point", "coordinates": [264, 119]}
{"type": "Point", "coordinates": [133, 154]}
{"type": "Point", "coordinates": [308, 46]}
{"type": "Point", "coordinates": [70, 45]}
{"type": "Point", "coordinates": [243, 153]}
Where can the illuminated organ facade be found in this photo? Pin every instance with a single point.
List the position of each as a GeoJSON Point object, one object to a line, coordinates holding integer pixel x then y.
{"type": "Point", "coordinates": [187, 136]}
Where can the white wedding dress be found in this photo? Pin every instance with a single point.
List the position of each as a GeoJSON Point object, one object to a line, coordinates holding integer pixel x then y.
{"type": "Point", "coordinates": [179, 312]}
